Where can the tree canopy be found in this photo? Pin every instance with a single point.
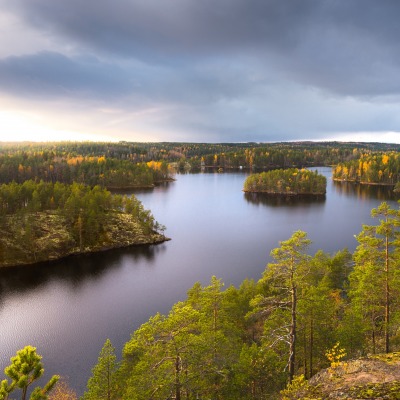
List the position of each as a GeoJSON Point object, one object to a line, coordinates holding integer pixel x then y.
{"type": "Point", "coordinates": [306, 312]}
{"type": "Point", "coordinates": [25, 368]}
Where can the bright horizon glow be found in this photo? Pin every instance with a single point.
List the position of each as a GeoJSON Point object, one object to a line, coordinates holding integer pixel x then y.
{"type": "Point", "coordinates": [379, 137]}
{"type": "Point", "coordinates": [29, 127]}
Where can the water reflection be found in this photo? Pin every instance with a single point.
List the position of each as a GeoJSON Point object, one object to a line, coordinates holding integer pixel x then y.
{"type": "Point", "coordinates": [281, 201]}
{"type": "Point", "coordinates": [381, 193]}
{"type": "Point", "coordinates": [74, 270]}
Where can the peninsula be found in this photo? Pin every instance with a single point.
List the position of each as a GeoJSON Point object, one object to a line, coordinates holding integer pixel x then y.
{"type": "Point", "coordinates": [45, 221]}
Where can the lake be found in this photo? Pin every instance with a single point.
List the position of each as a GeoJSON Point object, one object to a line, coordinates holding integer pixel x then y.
{"type": "Point", "coordinates": [67, 309]}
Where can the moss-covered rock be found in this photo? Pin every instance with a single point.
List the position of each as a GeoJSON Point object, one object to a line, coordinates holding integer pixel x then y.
{"type": "Point", "coordinates": [374, 377]}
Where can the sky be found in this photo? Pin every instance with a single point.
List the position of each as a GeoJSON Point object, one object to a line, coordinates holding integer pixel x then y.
{"type": "Point", "coordinates": [200, 70]}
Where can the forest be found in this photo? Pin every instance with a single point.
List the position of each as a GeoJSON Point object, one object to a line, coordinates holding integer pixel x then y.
{"type": "Point", "coordinates": [288, 182]}
{"type": "Point", "coordinates": [125, 164]}
{"type": "Point", "coordinates": [112, 173]}
{"type": "Point", "coordinates": [305, 313]}
{"type": "Point", "coordinates": [372, 168]}
{"type": "Point", "coordinates": [54, 200]}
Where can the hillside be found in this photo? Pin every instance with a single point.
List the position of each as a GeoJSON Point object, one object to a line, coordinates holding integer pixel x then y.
{"type": "Point", "coordinates": [44, 236]}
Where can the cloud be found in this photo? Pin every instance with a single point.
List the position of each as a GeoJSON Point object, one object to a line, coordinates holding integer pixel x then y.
{"type": "Point", "coordinates": [228, 70]}
{"type": "Point", "coordinates": [144, 28]}
{"type": "Point", "coordinates": [52, 74]}
{"type": "Point", "coordinates": [338, 46]}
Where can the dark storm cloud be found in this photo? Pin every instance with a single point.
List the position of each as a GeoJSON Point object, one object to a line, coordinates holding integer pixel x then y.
{"type": "Point", "coordinates": [155, 28]}
{"type": "Point", "coordinates": [51, 74]}
{"type": "Point", "coordinates": [231, 69]}
{"type": "Point", "coordinates": [347, 47]}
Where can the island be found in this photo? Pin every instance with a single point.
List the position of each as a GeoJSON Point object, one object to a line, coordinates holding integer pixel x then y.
{"type": "Point", "coordinates": [287, 182]}
{"type": "Point", "coordinates": [43, 221]}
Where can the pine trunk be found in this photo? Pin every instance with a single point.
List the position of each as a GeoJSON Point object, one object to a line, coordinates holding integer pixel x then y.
{"type": "Point", "coordinates": [292, 335]}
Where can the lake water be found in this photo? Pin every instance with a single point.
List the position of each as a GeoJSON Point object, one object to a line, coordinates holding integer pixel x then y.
{"type": "Point", "coordinates": [67, 309]}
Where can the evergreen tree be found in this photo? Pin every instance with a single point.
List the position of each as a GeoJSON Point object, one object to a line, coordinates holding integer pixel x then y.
{"type": "Point", "coordinates": [5, 389]}
{"type": "Point", "coordinates": [321, 307]}
{"type": "Point", "coordinates": [283, 282]}
{"type": "Point", "coordinates": [160, 361]}
{"type": "Point", "coordinates": [26, 367]}
{"type": "Point", "coordinates": [102, 384]}
{"type": "Point", "coordinates": [375, 281]}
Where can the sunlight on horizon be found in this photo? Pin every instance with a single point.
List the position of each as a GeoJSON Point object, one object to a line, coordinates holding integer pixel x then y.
{"type": "Point", "coordinates": [381, 137]}
{"type": "Point", "coordinates": [32, 127]}
{"type": "Point", "coordinates": [21, 127]}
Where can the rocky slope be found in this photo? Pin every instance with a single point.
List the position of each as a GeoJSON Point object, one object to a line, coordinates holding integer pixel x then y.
{"type": "Point", "coordinates": [373, 377]}
{"type": "Point", "coordinates": [45, 236]}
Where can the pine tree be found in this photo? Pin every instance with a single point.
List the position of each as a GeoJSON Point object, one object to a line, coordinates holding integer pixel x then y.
{"type": "Point", "coordinates": [375, 276]}
{"type": "Point", "coordinates": [158, 361]}
{"type": "Point", "coordinates": [26, 367]}
{"type": "Point", "coordinates": [283, 282]}
{"type": "Point", "coordinates": [102, 383]}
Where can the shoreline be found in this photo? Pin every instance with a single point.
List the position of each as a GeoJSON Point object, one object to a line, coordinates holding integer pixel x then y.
{"type": "Point", "coordinates": [285, 194]}
{"type": "Point", "coordinates": [49, 237]}
{"type": "Point", "coordinates": [138, 187]}
{"type": "Point", "coordinates": [159, 239]}
{"type": "Point", "coordinates": [353, 181]}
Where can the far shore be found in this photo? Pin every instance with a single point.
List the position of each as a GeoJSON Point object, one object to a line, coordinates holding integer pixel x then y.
{"type": "Point", "coordinates": [156, 239]}
{"type": "Point", "coordinates": [286, 194]}
{"type": "Point", "coordinates": [363, 182]}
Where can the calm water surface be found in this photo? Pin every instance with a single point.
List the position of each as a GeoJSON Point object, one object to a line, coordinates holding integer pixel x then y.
{"type": "Point", "coordinates": [68, 309]}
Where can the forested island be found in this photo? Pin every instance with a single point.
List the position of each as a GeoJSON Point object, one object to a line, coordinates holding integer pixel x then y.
{"type": "Point", "coordinates": [287, 182]}
{"type": "Point", "coordinates": [42, 221]}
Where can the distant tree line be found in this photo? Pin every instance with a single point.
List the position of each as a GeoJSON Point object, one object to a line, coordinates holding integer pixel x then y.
{"type": "Point", "coordinates": [378, 168]}
{"type": "Point", "coordinates": [264, 156]}
{"type": "Point", "coordinates": [255, 156]}
{"type": "Point", "coordinates": [90, 170]}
